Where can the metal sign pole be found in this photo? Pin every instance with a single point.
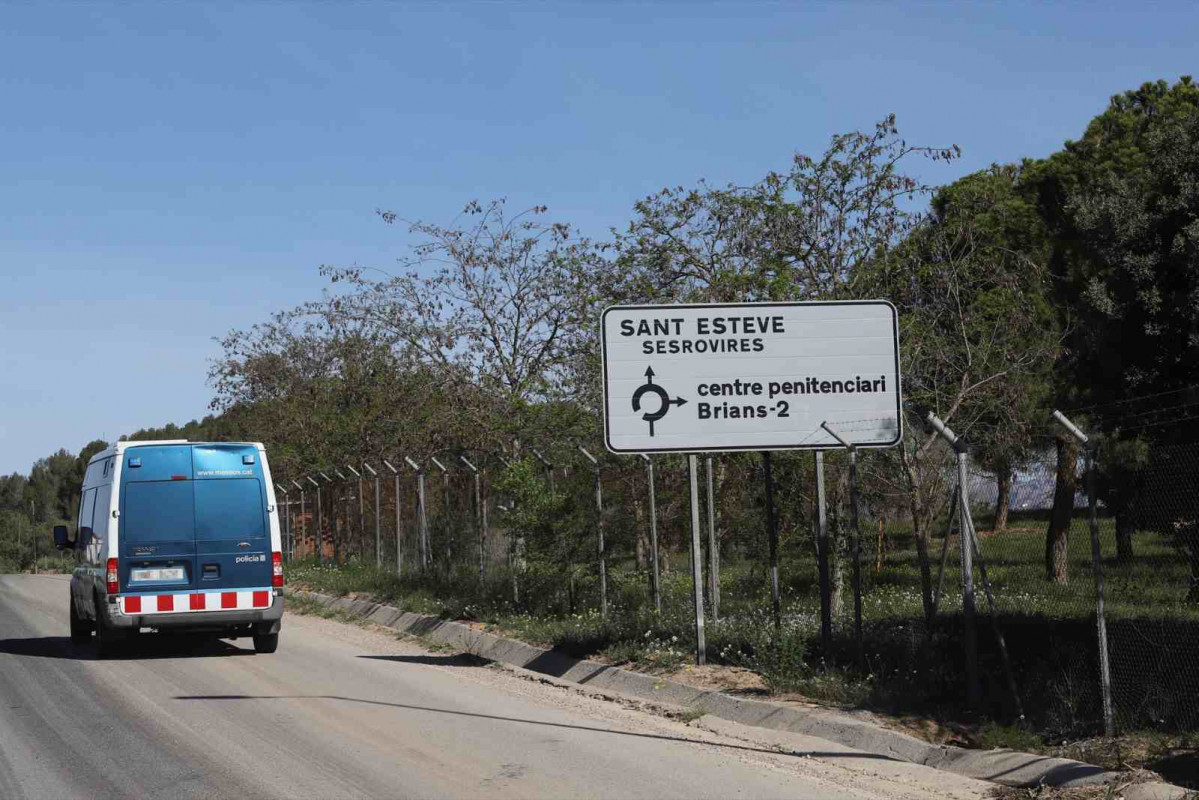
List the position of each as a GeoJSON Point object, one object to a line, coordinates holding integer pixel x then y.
{"type": "Point", "coordinates": [772, 535]}
{"type": "Point", "coordinates": [599, 529]}
{"type": "Point", "coordinates": [713, 549]}
{"type": "Point", "coordinates": [822, 554]}
{"type": "Point", "coordinates": [697, 566]}
{"type": "Point", "coordinates": [857, 540]}
{"type": "Point", "coordinates": [655, 589]}
{"type": "Point", "coordinates": [399, 526]}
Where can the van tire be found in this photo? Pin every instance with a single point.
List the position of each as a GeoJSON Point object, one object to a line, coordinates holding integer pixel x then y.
{"type": "Point", "coordinates": [109, 638]}
{"type": "Point", "coordinates": [266, 642]}
{"type": "Point", "coordinates": [81, 632]}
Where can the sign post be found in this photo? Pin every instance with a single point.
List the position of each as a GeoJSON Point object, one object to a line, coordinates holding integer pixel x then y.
{"type": "Point", "coordinates": [726, 377]}
{"type": "Point", "coordinates": [857, 540]}
{"type": "Point", "coordinates": [655, 589]}
{"type": "Point", "coordinates": [697, 564]}
{"type": "Point", "coordinates": [713, 548]}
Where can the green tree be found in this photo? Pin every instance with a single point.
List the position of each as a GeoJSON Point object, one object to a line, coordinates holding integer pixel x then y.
{"type": "Point", "coordinates": [1121, 206]}
{"type": "Point", "coordinates": [1005, 228]}
{"type": "Point", "coordinates": [978, 331]}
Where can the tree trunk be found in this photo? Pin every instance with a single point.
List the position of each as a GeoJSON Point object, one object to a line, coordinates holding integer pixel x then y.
{"type": "Point", "coordinates": [1057, 535]}
{"type": "Point", "coordinates": [920, 528]}
{"type": "Point", "coordinates": [1003, 500]}
{"type": "Point", "coordinates": [1125, 524]}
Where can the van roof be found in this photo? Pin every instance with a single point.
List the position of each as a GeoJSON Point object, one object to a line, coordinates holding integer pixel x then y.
{"type": "Point", "coordinates": [121, 447]}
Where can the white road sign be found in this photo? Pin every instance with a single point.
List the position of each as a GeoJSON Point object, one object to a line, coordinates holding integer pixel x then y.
{"type": "Point", "coordinates": [750, 376]}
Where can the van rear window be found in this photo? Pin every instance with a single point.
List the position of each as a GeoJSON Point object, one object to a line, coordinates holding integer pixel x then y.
{"type": "Point", "coordinates": [230, 508]}
{"type": "Point", "coordinates": [158, 511]}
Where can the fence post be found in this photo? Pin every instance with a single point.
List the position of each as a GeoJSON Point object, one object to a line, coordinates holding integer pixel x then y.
{"type": "Point", "coordinates": [655, 590]}
{"type": "Point", "coordinates": [320, 513]}
{"type": "Point", "coordinates": [713, 549]}
{"type": "Point", "coordinates": [514, 540]}
{"type": "Point", "coordinates": [967, 557]}
{"type": "Point", "coordinates": [378, 529]}
{"type": "Point", "coordinates": [361, 512]}
{"type": "Point", "coordinates": [822, 556]}
{"type": "Point", "coordinates": [423, 530]}
{"type": "Point", "coordinates": [1105, 669]}
{"type": "Point", "coordinates": [399, 525]}
{"type": "Point", "coordinates": [549, 471]}
{"type": "Point", "coordinates": [303, 522]}
{"type": "Point", "coordinates": [857, 540]}
{"type": "Point", "coordinates": [345, 510]}
{"type": "Point", "coordinates": [316, 536]}
{"type": "Point", "coordinates": [480, 518]}
{"type": "Point", "coordinates": [949, 518]}
{"type": "Point", "coordinates": [286, 534]}
{"type": "Point", "coordinates": [447, 523]}
{"type": "Point", "coordinates": [1007, 661]}
{"type": "Point", "coordinates": [697, 566]}
{"type": "Point", "coordinates": [599, 532]}
{"type": "Point", "coordinates": [772, 536]}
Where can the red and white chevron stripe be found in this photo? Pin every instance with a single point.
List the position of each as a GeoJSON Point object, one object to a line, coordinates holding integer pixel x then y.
{"type": "Point", "coordinates": [241, 600]}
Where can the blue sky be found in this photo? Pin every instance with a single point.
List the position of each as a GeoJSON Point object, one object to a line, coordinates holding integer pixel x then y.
{"type": "Point", "coordinates": [171, 171]}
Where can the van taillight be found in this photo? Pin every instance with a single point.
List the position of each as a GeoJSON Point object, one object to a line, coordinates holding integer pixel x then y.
{"type": "Point", "coordinates": [276, 568]}
{"type": "Point", "coordinates": [113, 586]}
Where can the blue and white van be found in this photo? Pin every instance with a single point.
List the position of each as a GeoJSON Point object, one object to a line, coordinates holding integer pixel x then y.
{"type": "Point", "coordinates": [180, 536]}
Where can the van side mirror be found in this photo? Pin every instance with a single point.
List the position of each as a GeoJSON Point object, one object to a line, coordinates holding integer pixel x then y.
{"type": "Point", "coordinates": [62, 537]}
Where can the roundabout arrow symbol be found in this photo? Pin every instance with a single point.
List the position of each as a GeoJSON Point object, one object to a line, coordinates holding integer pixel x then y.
{"type": "Point", "coordinates": [666, 401]}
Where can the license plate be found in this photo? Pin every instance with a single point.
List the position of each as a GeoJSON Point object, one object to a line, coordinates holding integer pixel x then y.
{"type": "Point", "coordinates": [158, 574]}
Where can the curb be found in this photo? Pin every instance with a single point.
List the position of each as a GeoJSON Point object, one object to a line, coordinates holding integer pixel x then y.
{"type": "Point", "coordinates": [1006, 767]}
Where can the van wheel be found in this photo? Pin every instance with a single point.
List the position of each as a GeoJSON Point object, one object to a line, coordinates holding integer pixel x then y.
{"type": "Point", "coordinates": [81, 632]}
{"type": "Point", "coordinates": [266, 642]}
{"type": "Point", "coordinates": [108, 638]}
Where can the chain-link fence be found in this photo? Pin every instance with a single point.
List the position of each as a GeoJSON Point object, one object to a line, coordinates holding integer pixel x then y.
{"type": "Point", "coordinates": [1036, 594]}
{"type": "Point", "coordinates": [1034, 587]}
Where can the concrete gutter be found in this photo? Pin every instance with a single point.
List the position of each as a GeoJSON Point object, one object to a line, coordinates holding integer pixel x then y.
{"type": "Point", "coordinates": [1006, 767]}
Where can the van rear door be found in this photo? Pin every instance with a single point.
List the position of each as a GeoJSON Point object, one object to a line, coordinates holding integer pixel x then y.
{"type": "Point", "coordinates": [232, 531]}
{"type": "Point", "coordinates": [157, 520]}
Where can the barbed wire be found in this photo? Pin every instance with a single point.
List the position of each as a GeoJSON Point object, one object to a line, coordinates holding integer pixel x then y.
{"type": "Point", "coordinates": [1127, 400]}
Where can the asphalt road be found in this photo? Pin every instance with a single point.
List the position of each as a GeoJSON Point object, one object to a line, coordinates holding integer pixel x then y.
{"type": "Point", "coordinates": [341, 711]}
